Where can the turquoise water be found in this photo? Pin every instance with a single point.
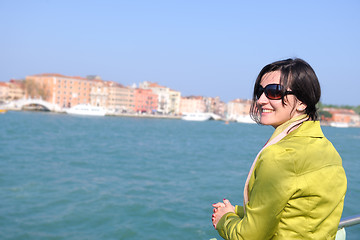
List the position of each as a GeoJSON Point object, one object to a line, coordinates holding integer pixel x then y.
{"type": "Point", "coordinates": [66, 177]}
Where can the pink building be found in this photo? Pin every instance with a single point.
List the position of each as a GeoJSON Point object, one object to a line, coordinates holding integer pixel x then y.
{"type": "Point", "coordinates": [145, 100]}
{"type": "Point", "coordinates": [192, 104]}
{"type": "Point", "coordinates": [237, 108]}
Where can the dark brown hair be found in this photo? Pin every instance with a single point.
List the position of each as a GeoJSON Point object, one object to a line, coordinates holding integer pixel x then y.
{"type": "Point", "coordinates": [296, 75]}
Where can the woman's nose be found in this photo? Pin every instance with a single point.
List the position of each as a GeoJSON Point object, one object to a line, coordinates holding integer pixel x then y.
{"type": "Point", "coordinates": [262, 99]}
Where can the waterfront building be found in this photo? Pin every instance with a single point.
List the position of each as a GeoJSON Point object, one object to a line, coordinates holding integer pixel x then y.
{"type": "Point", "coordinates": [162, 93]}
{"type": "Point", "coordinates": [168, 99]}
{"type": "Point", "coordinates": [238, 108]}
{"type": "Point", "coordinates": [120, 99]}
{"type": "Point", "coordinates": [174, 102]}
{"type": "Point", "coordinates": [341, 115]}
{"type": "Point", "coordinates": [99, 93]}
{"type": "Point", "coordinates": [58, 89]}
{"type": "Point", "coordinates": [12, 90]}
{"type": "Point", "coordinates": [145, 101]}
{"type": "Point", "coordinates": [4, 92]}
{"type": "Point", "coordinates": [16, 89]}
{"type": "Point", "coordinates": [192, 104]}
{"type": "Point", "coordinates": [221, 109]}
{"type": "Point", "coordinates": [215, 105]}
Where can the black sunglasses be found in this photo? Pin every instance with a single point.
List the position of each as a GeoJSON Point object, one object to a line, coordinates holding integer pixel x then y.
{"type": "Point", "coordinates": [272, 92]}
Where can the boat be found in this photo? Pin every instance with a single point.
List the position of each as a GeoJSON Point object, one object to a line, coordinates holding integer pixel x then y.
{"type": "Point", "coordinates": [244, 119]}
{"type": "Point", "coordinates": [86, 109]}
{"type": "Point", "coordinates": [3, 111]}
{"type": "Point", "coordinates": [215, 117]}
{"type": "Point", "coordinates": [339, 124]}
{"type": "Point", "coordinates": [196, 116]}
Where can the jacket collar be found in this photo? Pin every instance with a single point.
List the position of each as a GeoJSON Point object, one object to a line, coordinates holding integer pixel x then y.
{"type": "Point", "coordinates": [309, 129]}
{"type": "Point", "coordinates": [287, 124]}
{"type": "Point", "coordinates": [306, 129]}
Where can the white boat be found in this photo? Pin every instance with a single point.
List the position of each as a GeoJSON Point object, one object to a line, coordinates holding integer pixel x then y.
{"type": "Point", "coordinates": [339, 124]}
{"type": "Point", "coordinates": [86, 109]}
{"type": "Point", "coordinates": [214, 116]}
{"type": "Point", "coordinates": [196, 116]}
{"type": "Point", "coordinates": [244, 119]}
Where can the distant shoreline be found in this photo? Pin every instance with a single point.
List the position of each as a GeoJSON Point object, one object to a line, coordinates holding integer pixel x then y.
{"type": "Point", "coordinates": [137, 115]}
{"type": "Point", "coordinates": [157, 116]}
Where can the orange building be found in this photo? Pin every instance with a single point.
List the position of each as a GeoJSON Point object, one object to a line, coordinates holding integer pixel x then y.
{"type": "Point", "coordinates": [59, 89]}
{"type": "Point", "coordinates": [145, 100]}
{"type": "Point", "coordinates": [341, 115]}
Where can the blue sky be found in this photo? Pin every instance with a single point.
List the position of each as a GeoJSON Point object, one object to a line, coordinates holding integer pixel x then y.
{"type": "Point", "coordinates": [206, 47]}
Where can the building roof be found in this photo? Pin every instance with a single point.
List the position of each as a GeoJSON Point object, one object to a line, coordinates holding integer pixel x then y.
{"type": "Point", "coordinates": [193, 97]}
{"type": "Point", "coordinates": [340, 111]}
{"type": "Point", "coordinates": [239, 100]}
{"type": "Point", "coordinates": [59, 75]}
{"type": "Point", "coordinates": [114, 84]}
{"type": "Point", "coordinates": [155, 85]}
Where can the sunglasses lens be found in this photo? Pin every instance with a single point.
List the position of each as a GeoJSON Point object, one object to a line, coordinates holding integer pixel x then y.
{"type": "Point", "coordinates": [259, 92]}
{"type": "Point", "coordinates": [273, 91]}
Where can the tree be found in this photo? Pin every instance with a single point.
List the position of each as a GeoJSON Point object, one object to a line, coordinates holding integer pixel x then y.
{"type": "Point", "coordinates": [357, 109]}
{"type": "Point", "coordinates": [36, 90]}
{"type": "Point", "coordinates": [30, 88]}
{"type": "Point", "coordinates": [326, 114]}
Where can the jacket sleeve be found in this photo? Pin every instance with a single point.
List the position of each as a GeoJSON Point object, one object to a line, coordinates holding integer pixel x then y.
{"type": "Point", "coordinates": [271, 188]}
{"type": "Point", "coordinates": [239, 210]}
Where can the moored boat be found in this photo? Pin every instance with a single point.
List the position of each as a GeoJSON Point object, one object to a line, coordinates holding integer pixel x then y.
{"type": "Point", "coordinates": [244, 119]}
{"type": "Point", "coordinates": [86, 109]}
{"type": "Point", "coordinates": [196, 116]}
{"type": "Point", "coordinates": [339, 124]}
{"type": "Point", "coordinates": [3, 111]}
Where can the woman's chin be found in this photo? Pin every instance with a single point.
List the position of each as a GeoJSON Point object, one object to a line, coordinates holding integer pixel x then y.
{"type": "Point", "coordinates": [268, 122]}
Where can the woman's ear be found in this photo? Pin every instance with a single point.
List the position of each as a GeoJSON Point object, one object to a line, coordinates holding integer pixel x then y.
{"type": "Point", "coordinates": [301, 106]}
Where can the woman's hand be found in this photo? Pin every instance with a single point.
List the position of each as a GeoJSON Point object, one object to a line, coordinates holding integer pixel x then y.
{"type": "Point", "coordinates": [220, 209]}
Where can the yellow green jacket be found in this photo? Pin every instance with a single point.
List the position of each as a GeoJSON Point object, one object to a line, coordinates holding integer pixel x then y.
{"type": "Point", "coordinates": [296, 191]}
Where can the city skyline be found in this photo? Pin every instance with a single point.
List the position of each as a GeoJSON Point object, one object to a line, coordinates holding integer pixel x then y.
{"type": "Point", "coordinates": [205, 48]}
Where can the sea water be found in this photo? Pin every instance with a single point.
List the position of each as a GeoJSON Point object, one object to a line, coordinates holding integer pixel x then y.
{"type": "Point", "coordinates": [71, 177]}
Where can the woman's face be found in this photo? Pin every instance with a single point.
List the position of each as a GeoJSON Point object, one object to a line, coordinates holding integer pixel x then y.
{"type": "Point", "coordinates": [273, 112]}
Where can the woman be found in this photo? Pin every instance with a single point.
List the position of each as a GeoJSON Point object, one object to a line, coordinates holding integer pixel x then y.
{"type": "Point", "coordinates": [296, 186]}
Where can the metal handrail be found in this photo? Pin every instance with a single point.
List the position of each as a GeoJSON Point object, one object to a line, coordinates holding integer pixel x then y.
{"type": "Point", "coordinates": [349, 221]}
